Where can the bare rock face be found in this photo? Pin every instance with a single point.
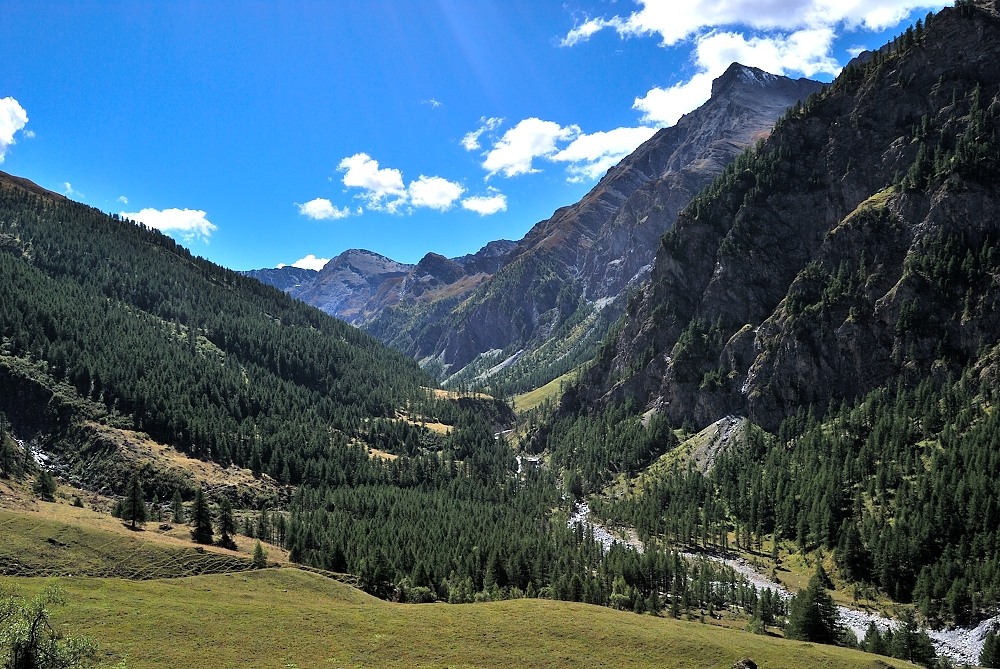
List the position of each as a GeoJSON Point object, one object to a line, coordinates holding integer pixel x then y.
{"type": "Point", "coordinates": [599, 248]}
{"type": "Point", "coordinates": [854, 248]}
{"type": "Point", "coordinates": [345, 284]}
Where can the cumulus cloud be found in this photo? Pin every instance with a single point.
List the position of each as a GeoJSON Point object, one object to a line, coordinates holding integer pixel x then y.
{"type": "Point", "coordinates": [486, 125]}
{"type": "Point", "coordinates": [434, 192]}
{"type": "Point", "coordinates": [380, 184]}
{"type": "Point", "coordinates": [123, 199]}
{"type": "Point", "coordinates": [784, 37]}
{"type": "Point", "coordinates": [308, 262]}
{"type": "Point", "coordinates": [321, 209]}
{"type": "Point", "coordinates": [188, 224]}
{"type": "Point", "coordinates": [531, 138]}
{"type": "Point", "coordinates": [486, 205]}
{"type": "Point", "coordinates": [673, 22]}
{"type": "Point", "coordinates": [69, 191]}
{"type": "Point", "coordinates": [13, 118]}
{"type": "Point", "coordinates": [591, 155]}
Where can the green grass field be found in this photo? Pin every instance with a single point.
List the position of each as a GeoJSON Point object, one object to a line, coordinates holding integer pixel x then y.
{"type": "Point", "coordinates": [283, 617]}
{"type": "Point", "coordinates": [286, 617]}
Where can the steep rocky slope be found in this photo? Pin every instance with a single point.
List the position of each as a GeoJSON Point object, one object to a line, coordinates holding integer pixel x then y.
{"type": "Point", "coordinates": [549, 295]}
{"type": "Point", "coordinates": [855, 248]}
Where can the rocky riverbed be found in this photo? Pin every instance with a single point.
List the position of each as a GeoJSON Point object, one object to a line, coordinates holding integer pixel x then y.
{"type": "Point", "coordinates": [961, 644]}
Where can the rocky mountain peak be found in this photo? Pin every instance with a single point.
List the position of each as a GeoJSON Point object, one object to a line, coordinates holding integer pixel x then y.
{"type": "Point", "coordinates": [742, 75]}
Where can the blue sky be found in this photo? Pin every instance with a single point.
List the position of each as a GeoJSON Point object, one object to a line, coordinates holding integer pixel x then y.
{"type": "Point", "coordinates": [267, 133]}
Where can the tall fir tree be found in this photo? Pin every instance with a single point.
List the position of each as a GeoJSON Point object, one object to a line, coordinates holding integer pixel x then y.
{"type": "Point", "coordinates": [133, 505]}
{"type": "Point", "coordinates": [227, 524]}
{"type": "Point", "coordinates": [177, 507]}
{"type": "Point", "coordinates": [201, 519]}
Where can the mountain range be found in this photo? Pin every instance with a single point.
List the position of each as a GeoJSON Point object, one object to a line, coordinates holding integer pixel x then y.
{"type": "Point", "coordinates": [518, 315]}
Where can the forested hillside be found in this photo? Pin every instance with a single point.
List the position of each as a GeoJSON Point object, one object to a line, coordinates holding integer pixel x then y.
{"type": "Point", "coordinates": [109, 328]}
{"type": "Point", "coordinates": [836, 286]}
{"type": "Point", "coordinates": [215, 364]}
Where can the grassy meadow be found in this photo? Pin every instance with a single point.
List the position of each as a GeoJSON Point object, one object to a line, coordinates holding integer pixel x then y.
{"type": "Point", "coordinates": [155, 600]}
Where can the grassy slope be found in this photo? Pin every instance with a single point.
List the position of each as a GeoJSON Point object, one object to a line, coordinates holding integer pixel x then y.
{"type": "Point", "coordinates": [281, 617]}
{"type": "Point", "coordinates": [534, 398]}
{"type": "Point", "coordinates": [278, 617]}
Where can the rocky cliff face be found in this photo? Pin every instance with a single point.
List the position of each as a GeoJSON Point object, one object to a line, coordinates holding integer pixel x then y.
{"type": "Point", "coordinates": [347, 283]}
{"type": "Point", "coordinates": [856, 247]}
{"type": "Point", "coordinates": [588, 255]}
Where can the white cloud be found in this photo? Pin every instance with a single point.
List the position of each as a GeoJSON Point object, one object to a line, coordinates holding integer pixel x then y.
{"type": "Point", "coordinates": [13, 118]}
{"type": "Point", "coordinates": [123, 199]}
{"type": "Point", "coordinates": [531, 138]}
{"type": "Point", "coordinates": [434, 192]}
{"type": "Point", "coordinates": [322, 209]}
{"type": "Point", "coordinates": [673, 21]}
{"type": "Point", "coordinates": [434, 104]}
{"type": "Point", "coordinates": [309, 262]}
{"type": "Point", "coordinates": [471, 139]}
{"type": "Point", "coordinates": [190, 224]}
{"type": "Point", "coordinates": [584, 31]}
{"type": "Point", "coordinates": [591, 155]}
{"type": "Point", "coordinates": [486, 205]}
{"type": "Point", "coordinates": [361, 171]}
{"type": "Point", "coordinates": [70, 191]}
{"type": "Point", "coordinates": [785, 37]}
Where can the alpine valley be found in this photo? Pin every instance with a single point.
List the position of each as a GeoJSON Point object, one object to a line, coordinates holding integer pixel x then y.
{"type": "Point", "coordinates": [736, 407]}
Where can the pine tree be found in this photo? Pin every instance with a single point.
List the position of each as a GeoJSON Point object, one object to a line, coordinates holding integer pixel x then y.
{"type": "Point", "coordinates": [813, 615]}
{"type": "Point", "coordinates": [227, 524]}
{"type": "Point", "coordinates": [259, 556]}
{"type": "Point", "coordinates": [45, 486]}
{"type": "Point", "coordinates": [177, 507]}
{"type": "Point", "coordinates": [201, 519]}
{"type": "Point", "coordinates": [133, 505]}
{"type": "Point", "coordinates": [990, 655]}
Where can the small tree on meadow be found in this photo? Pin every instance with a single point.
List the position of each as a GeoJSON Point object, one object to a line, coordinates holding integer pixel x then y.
{"type": "Point", "coordinates": [45, 486]}
{"type": "Point", "coordinates": [201, 519]}
{"type": "Point", "coordinates": [227, 524]}
{"type": "Point", "coordinates": [133, 505]}
{"type": "Point", "coordinates": [259, 556]}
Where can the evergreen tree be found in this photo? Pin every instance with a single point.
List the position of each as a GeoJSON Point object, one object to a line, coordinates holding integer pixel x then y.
{"type": "Point", "coordinates": [45, 486]}
{"type": "Point", "coordinates": [259, 556]}
{"type": "Point", "coordinates": [990, 655]}
{"type": "Point", "coordinates": [133, 505]}
{"type": "Point", "coordinates": [177, 506]}
{"type": "Point", "coordinates": [201, 519]}
{"type": "Point", "coordinates": [911, 643]}
{"type": "Point", "coordinates": [813, 615]}
{"type": "Point", "coordinates": [227, 524]}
